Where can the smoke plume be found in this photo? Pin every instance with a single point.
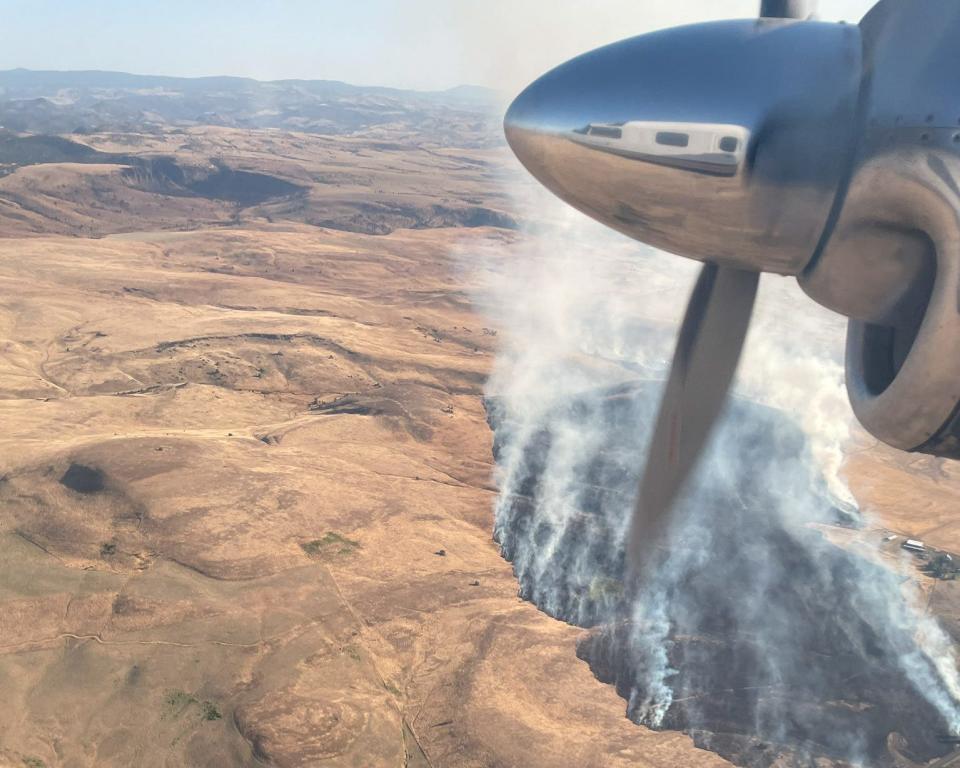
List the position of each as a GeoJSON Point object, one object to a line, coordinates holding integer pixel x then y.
{"type": "Point", "coordinates": [755, 632]}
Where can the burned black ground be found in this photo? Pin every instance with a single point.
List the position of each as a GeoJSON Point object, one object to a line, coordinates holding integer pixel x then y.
{"type": "Point", "coordinates": [773, 652]}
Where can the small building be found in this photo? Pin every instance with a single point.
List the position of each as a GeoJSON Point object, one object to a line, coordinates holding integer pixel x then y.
{"type": "Point", "coordinates": [914, 546]}
{"type": "Point", "coordinates": [891, 537]}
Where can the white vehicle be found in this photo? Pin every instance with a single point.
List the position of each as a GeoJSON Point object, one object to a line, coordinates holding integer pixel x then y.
{"type": "Point", "coordinates": [703, 147]}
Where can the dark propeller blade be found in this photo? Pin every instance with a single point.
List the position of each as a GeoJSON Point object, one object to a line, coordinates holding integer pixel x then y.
{"type": "Point", "coordinates": [708, 351]}
{"type": "Point", "coordinates": [705, 361]}
{"type": "Point", "coordinates": [706, 357]}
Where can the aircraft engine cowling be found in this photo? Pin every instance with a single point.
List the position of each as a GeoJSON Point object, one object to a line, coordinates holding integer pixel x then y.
{"type": "Point", "coordinates": [892, 261]}
{"type": "Point", "coordinates": [830, 152]}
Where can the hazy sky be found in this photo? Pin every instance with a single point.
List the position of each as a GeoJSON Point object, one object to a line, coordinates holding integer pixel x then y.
{"type": "Point", "coordinates": [407, 43]}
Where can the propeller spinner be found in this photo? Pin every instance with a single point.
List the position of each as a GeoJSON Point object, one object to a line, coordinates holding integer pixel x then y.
{"type": "Point", "coordinates": [780, 145]}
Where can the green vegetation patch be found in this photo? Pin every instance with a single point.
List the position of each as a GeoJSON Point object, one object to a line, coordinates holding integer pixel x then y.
{"type": "Point", "coordinates": [942, 566]}
{"type": "Point", "coordinates": [34, 762]}
{"type": "Point", "coordinates": [178, 702]}
{"type": "Point", "coordinates": [331, 544]}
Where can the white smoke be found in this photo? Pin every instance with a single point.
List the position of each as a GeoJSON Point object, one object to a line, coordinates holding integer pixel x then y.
{"type": "Point", "coordinates": [794, 363]}
{"type": "Point", "coordinates": [584, 311]}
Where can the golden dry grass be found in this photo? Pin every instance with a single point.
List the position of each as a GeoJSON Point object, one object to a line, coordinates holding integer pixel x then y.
{"type": "Point", "coordinates": [288, 427]}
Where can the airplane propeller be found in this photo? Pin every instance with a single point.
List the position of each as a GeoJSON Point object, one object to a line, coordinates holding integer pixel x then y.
{"type": "Point", "coordinates": [704, 363]}
{"type": "Point", "coordinates": [708, 350]}
{"type": "Point", "coordinates": [829, 152]}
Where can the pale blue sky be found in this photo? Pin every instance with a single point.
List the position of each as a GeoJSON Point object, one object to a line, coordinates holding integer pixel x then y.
{"type": "Point", "coordinates": [406, 43]}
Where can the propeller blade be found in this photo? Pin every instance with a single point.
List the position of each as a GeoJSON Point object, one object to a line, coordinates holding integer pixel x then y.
{"type": "Point", "coordinates": [708, 351]}
{"type": "Point", "coordinates": [787, 9]}
{"type": "Point", "coordinates": [704, 363]}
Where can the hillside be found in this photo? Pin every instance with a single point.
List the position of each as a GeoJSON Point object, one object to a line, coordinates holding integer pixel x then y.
{"type": "Point", "coordinates": [89, 102]}
{"type": "Point", "coordinates": [247, 472]}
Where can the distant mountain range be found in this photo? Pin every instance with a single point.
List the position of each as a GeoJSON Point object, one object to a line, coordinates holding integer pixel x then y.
{"type": "Point", "coordinates": [93, 101]}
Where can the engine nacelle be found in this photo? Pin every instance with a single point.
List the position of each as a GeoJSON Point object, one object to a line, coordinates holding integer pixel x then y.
{"type": "Point", "coordinates": [892, 261]}
{"type": "Point", "coordinates": [826, 151]}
